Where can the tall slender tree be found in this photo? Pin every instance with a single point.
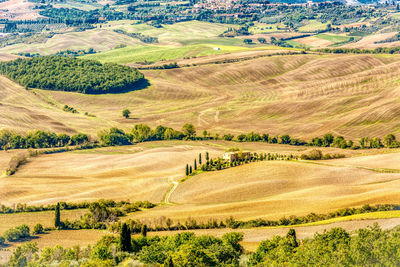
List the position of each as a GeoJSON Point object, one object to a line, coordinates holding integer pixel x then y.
{"type": "Point", "coordinates": [125, 238]}
{"type": "Point", "coordinates": [199, 158]}
{"type": "Point", "coordinates": [207, 156]}
{"type": "Point", "coordinates": [190, 170]}
{"type": "Point", "coordinates": [195, 164]}
{"type": "Point", "coordinates": [187, 169]}
{"type": "Point", "coordinates": [57, 216]}
{"type": "Point", "coordinates": [143, 231]}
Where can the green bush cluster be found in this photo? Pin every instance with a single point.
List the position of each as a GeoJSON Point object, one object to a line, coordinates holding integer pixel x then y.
{"type": "Point", "coordinates": [104, 212]}
{"type": "Point", "coordinates": [39, 139]}
{"type": "Point", "coordinates": [369, 246]}
{"type": "Point", "coordinates": [124, 205]}
{"type": "Point", "coordinates": [71, 74]}
{"type": "Point", "coordinates": [67, 108]}
{"type": "Point", "coordinates": [378, 50]}
{"type": "Point", "coordinates": [317, 154]}
{"type": "Point", "coordinates": [17, 233]}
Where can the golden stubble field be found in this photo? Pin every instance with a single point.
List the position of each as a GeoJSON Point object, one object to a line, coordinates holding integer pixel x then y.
{"type": "Point", "coordinates": [269, 189]}
{"type": "Point", "coordinates": [301, 95]}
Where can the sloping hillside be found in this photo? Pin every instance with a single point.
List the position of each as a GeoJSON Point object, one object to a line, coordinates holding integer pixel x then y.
{"type": "Point", "coordinates": [301, 95]}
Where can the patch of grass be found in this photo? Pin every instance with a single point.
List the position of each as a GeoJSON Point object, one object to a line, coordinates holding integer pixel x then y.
{"type": "Point", "coordinates": [79, 5]}
{"type": "Point", "coordinates": [153, 53]}
{"type": "Point", "coordinates": [364, 216]}
{"type": "Point", "coordinates": [177, 32]}
{"type": "Point", "coordinates": [297, 44]}
{"type": "Point", "coordinates": [313, 26]}
{"type": "Point", "coordinates": [333, 38]}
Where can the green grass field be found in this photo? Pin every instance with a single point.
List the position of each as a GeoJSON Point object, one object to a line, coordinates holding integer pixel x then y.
{"type": "Point", "coordinates": [356, 217]}
{"type": "Point", "coordinates": [174, 33]}
{"type": "Point", "coordinates": [333, 38]}
{"type": "Point", "coordinates": [297, 45]}
{"type": "Point", "coordinates": [79, 5]}
{"type": "Point", "coordinates": [154, 53]}
{"type": "Point", "coordinates": [313, 26]}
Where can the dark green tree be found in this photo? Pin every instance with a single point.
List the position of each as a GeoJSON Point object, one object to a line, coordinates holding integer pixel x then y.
{"type": "Point", "coordinates": [207, 156]}
{"type": "Point", "coordinates": [291, 236]}
{"type": "Point", "coordinates": [125, 238]}
{"type": "Point", "coordinates": [200, 158]}
{"type": "Point", "coordinates": [57, 216]}
{"type": "Point", "coordinates": [126, 113]}
{"type": "Point", "coordinates": [187, 169]}
{"type": "Point", "coordinates": [189, 131]}
{"type": "Point", "coordinates": [190, 170]}
{"type": "Point", "coordinates": [195, 165]}
{"type": "Point", "coordinates": [143, 231]}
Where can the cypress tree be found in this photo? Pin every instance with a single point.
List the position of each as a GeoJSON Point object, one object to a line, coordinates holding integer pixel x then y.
{"type": "Point", "coordinates": [187, 169]}
{"type": "Point", "coordinates": [143, 231]}
{"type": "Point", "coordinates": [57, 216]}
{"type": "Point", "coordinates": [195, 165]}
{"type": "Point", "coordinates": [190, 170]}
{"type": "Point", "coordinates": [199, 158]}
{"type": "Point", "coordinates": [125, 238]}
{"type": "Point", "coordinates": [291, 236]}
{"type": "Point", "coordinates": [207, 156]}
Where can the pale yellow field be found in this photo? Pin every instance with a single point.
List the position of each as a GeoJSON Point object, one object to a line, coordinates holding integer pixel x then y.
{"type": "Point", "coordinates": [130, 173]}
{"type": "Point", "coordinates": [274, 189]}
{"type": "Point", "coordinates": [18, 10]}
{"type": "Point", "coordinates": [98, 39]}
{"type": "Point", "coordinates": [46, 218]}
{"type": "Point", "coordinates": [368, 42]}
{"type": "Point", "coordinates": [314, 41]}
{"type": "Point", "coordinates": [301, 95]}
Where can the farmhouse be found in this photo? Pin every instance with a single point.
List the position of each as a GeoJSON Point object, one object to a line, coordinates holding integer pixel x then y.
{"type": "Point", "coordinates": [234, 156]}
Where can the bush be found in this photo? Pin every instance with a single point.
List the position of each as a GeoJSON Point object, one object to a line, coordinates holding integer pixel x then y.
{"type": "Point", "coordinates": [19, 232]}
{"type": "Point", "coordinates": [38, 229]}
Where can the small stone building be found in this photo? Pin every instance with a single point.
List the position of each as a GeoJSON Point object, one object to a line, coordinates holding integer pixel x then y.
{"type": "Point", "coordinates": [234, 156]}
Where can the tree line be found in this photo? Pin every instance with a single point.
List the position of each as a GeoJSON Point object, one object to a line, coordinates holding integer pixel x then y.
{"type": "Point", "coordinates": [378, 50]}
{"type": "Point", "coordinates": [143, 133]}
{"type": "Point", "coordinates": [71, 74]}
{"type": "Point", "coordinates": [124, 205]}
{"type": "Point", "coordinates": [369, 246]}
{"type": "Point", "coordinates": [167, 224]}
{"type": "Point", "coordinates": [39, 139]}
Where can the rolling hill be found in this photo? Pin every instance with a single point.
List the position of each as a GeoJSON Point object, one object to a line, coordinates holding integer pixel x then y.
{"type": "Point", "coordinates": [301, 95]}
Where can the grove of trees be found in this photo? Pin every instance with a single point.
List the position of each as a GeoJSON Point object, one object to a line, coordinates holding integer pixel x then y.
{"type": "Point", "coordinates": [369, 246]}
{"type": "Point", "coordinates": [71, 74]}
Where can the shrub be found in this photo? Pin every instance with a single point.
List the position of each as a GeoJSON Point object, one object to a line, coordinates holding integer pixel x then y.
{"type": "Point", "coordinates": [14, 234]}
{"type": "Point", "coordinates": [38, 229]}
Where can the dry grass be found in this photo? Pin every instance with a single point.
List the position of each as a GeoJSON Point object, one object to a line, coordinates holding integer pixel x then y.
{"type": "Point", "coordinates": [18, 10]}
{"type": "Point", "coordinates": [98, 39]}
{"type": "Point", "coordinates": [302, 95]}
{"type": "Point", "coordinates": [281, 188]}
{"type": "Point", "coordinates": [314, 41]}
{"type": "Point", "coordinates": [368, 42]}
{"type": "Point", "coordinates": [129, 173]}
{"type": "Point", "coordinates": [46, 218]}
